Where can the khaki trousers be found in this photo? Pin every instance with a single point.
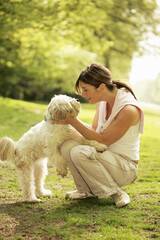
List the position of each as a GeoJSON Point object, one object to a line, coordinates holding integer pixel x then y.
{"type": "Point", "coordinates": [99, 173]}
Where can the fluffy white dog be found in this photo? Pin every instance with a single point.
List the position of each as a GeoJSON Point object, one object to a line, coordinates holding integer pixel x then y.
{"type": "Point", "coordinates": [40, 143]}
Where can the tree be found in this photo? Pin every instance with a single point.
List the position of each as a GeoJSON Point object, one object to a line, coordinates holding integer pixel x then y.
{"type": "Point", "coordinates": [45, 44]}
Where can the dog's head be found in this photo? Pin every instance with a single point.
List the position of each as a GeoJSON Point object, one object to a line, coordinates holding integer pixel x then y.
{"type": "Point", "coordinates": [60, 105]}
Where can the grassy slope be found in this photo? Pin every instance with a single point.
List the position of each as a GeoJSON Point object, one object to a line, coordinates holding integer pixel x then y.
{"type": "Point", "coordinates": [57, 218]}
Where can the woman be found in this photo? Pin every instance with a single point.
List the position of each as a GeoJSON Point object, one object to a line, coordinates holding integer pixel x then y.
{"type": "Point", "coordinates": [118, 123]}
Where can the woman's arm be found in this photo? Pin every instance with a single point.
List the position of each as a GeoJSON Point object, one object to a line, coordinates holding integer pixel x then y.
{"type": "Point", "coordinates": [126, 118]}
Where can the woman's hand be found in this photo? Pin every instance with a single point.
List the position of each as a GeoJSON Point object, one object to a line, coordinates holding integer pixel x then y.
{"type": "Point", "coordinates": [68, 120]}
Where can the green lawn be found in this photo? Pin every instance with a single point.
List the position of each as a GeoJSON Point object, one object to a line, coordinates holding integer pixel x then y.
{"type": "Point", "coordinates": [57, 218]}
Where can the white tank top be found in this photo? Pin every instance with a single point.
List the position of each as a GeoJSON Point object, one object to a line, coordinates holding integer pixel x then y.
{"type": "Point", "coordinates": [128, 145]}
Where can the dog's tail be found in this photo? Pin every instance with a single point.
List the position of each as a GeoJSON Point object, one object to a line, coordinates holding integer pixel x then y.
{"type": "Point", "coordinates": [7, 149]}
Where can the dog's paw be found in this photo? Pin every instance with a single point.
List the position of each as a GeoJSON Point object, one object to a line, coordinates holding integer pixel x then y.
{"type": "Point", "coordinates": [32, 200]}
{"type": "Point", "coordinates": [44, 193]}
{"type": "Point", "coordinates": [100, 147]}
{"type": "Point", "coordinates": [62, 172]}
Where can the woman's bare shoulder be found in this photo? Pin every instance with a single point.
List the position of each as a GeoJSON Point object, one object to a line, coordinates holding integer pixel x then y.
{"type": "Point", "coordinates": [131, 112]}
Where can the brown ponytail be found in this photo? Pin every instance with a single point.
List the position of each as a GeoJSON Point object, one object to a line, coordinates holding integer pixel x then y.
{"type": "Point", "coordinates": [120, 84]}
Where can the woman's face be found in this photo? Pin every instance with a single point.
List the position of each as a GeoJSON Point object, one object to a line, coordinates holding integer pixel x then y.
{"type": "Point", "coordinates": [90, 92]}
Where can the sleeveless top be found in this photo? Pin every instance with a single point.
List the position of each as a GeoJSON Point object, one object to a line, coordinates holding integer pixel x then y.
{"type": "Point", "coordinates": [128, 145]}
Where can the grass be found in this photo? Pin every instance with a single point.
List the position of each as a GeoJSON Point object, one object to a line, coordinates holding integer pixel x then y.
{"type": "Point", "coordinates": [57, 218]}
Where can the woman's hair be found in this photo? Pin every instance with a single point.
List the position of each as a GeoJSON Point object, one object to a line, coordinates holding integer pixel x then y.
{"type": "Point", "coordinates": [95, 74]}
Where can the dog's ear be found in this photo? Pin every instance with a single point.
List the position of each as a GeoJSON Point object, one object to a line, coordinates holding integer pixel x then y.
{"type": "Point", "coordinates": [76, 106]}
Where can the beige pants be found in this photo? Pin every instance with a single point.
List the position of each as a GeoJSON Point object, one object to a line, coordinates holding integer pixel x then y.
{"type": "Point", "coordinates": [100, 173]}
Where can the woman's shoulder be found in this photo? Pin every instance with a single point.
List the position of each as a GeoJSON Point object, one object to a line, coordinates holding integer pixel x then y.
{"type": "Point", "coordinates": [131, 112]}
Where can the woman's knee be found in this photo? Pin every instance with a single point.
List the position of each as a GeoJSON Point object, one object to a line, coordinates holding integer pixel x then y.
{"type": "Point", "coordinates": [66, 147]}
{"type": "Point", "coordinates": [82, 152]}
{"type": "Point", "coordinates": [74, 153]}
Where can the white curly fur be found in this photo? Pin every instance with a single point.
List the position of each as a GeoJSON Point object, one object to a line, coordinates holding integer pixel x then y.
{"type": "Point", "coordinates": [40, 143]}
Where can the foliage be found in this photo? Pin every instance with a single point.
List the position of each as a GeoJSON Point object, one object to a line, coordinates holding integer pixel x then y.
{"type": "Point", "coordinates": [46, 43]}
{"type": "Point", "coordinates": [57, 218]}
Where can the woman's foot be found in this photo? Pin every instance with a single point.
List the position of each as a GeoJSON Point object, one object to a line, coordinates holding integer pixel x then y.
{"type": "Point", "coordinates": [77, 195]}
{"type": "Point", "coordinates": [121, 199]}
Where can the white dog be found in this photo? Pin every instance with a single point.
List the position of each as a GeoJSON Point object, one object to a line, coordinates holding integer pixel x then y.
{"type": "Point", "coordinates": [40, 143]}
